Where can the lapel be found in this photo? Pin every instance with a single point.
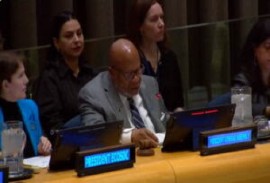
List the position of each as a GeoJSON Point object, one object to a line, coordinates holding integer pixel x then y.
{"type": "Point", "coordinates": [114, 100]}
{"type": "Point", "coordinates": [148, 100]}
{"type": "Point", "coordinates": [152, 105]}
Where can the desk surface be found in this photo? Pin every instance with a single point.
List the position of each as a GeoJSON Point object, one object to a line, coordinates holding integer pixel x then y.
{"type": "Point", "coordinates": [251, 165]}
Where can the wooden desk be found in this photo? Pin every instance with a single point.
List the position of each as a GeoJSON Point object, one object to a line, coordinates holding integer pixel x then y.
{"type": "Point", "coordinates": [252, 165]}
{"type": "Point", "coordinates": [246, 166]}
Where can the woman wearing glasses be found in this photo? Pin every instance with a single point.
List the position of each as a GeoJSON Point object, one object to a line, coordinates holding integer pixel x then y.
{"type": "Point", "coordinates": [146, 29]}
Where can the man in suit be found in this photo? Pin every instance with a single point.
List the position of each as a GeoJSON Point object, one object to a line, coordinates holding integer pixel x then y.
{"type": "Point", "coordinates": [104, 98]}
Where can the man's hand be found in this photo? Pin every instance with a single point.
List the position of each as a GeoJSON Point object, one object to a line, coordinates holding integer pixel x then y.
{"type": "Point", "coordinates": [44, 146]}
{"type": "Point", "coordinates": [144, 138]}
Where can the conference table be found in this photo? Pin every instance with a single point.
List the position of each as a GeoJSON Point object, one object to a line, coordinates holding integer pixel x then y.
{"type": "Point", "coordinates": [244, 166]}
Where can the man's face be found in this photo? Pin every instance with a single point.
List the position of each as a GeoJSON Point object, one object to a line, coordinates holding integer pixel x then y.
{"type": "Point", "coordinates": [127, 76]}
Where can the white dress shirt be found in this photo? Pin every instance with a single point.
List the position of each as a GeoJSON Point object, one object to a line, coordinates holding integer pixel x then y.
{"type": "Point", "coordinates": [126, 135]}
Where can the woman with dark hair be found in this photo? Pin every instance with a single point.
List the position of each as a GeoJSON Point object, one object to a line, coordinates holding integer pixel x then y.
{"type": "Point", "coordinates": [146, 29]}
{"type": "Point", "coordinates": [66, 72]}
{"type": "Point", "coordinates": [255, 67]}
{"type": "Point", "coordinates": [14, 106]}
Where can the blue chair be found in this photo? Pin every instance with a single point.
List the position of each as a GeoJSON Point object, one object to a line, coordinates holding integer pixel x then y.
{"type": "Point", "coordinates": [220, 100]}
{"type": "Point", "coordinates": [73, 122]}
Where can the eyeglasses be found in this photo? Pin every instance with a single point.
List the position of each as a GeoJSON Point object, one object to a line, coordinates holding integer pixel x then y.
{"type": "Point", "coordinates": [130, 75]}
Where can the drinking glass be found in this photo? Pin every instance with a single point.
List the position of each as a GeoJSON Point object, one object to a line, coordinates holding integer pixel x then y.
{"type": "Point", "coordinates": [241, 96]}
{"type": "Point", "coordinates": [13, 143]}
{"type": "Point", "coordinates": [263, 128]}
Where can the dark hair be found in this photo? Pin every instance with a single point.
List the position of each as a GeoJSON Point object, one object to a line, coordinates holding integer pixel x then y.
{"type": "Point", "coordinates": [9, 63]}
{"type": "Point", "coordinates": [58, 21]}
{"type": "Point", "coordinates": [257, 35]}
{"type": "Point", "coordinates": [137, 15]}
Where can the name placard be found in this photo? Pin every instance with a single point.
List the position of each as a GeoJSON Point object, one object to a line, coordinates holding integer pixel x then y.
{"type": "Point", "coordinates": [105, 159]}
{"type": "Point", "coordinates": [227, 139]}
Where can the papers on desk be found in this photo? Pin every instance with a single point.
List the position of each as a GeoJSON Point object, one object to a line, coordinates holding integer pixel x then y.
{"type": "Point", "coordinates": [37, 161]}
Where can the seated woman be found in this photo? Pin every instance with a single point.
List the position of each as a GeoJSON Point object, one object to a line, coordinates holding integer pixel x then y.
{"type": "Point", "coordinates": [255, 70]}
{"type": "Point", "coordinates": [147, 30]}
{"type": "Point", "coordinates": [14, 106]}
{"type": "Point", "coordinates": [64, 75]}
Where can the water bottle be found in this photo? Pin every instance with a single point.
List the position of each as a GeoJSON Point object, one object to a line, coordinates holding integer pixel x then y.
{"type": "Point", "coordinates": [241, 96]}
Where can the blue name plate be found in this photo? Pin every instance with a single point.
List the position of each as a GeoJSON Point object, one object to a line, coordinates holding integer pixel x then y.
{"type": "Point", "coordinates": [105, 159]}
{"type": "Point", "coordinates": [227, 139]}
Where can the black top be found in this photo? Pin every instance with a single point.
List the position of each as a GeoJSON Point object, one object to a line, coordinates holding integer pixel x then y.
{"type": "Point", "coordinates": [168, 77]}
{"type": "Point", "coordinates": [11, 112]}
{"type": "Point", "coordinates": [56, 93]}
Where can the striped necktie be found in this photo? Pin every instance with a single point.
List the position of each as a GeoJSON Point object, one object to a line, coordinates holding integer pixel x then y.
{"type": "Point", "coordinates": [135, 115]}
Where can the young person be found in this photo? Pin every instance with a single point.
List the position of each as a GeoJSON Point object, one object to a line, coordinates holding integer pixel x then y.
{"type": "Point", "coordinates": [14, 106]}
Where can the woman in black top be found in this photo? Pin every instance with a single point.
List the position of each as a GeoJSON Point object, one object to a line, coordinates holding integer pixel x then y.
{"type": "Point", "coordinates": [146, 30]}
{"type": "Point", "coordinates": [255, 69]}
{"type": "Point", "coordinates": [64, 75]}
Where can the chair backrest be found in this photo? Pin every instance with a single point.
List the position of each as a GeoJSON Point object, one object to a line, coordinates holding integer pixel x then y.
{"type": "Point", "coordinates": [197, 97]}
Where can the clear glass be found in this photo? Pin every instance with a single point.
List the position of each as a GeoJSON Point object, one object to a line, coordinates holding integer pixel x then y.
{"type": "Point", "coordinates": [262, 125]}
{"type": "Point", "coordinates": [13, 143]}
{"type": "Point", "coordinates": [241, 96]}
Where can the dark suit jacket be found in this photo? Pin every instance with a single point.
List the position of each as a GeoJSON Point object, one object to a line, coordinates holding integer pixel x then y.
{"type": "Point", "coordinates": [100, 102]}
